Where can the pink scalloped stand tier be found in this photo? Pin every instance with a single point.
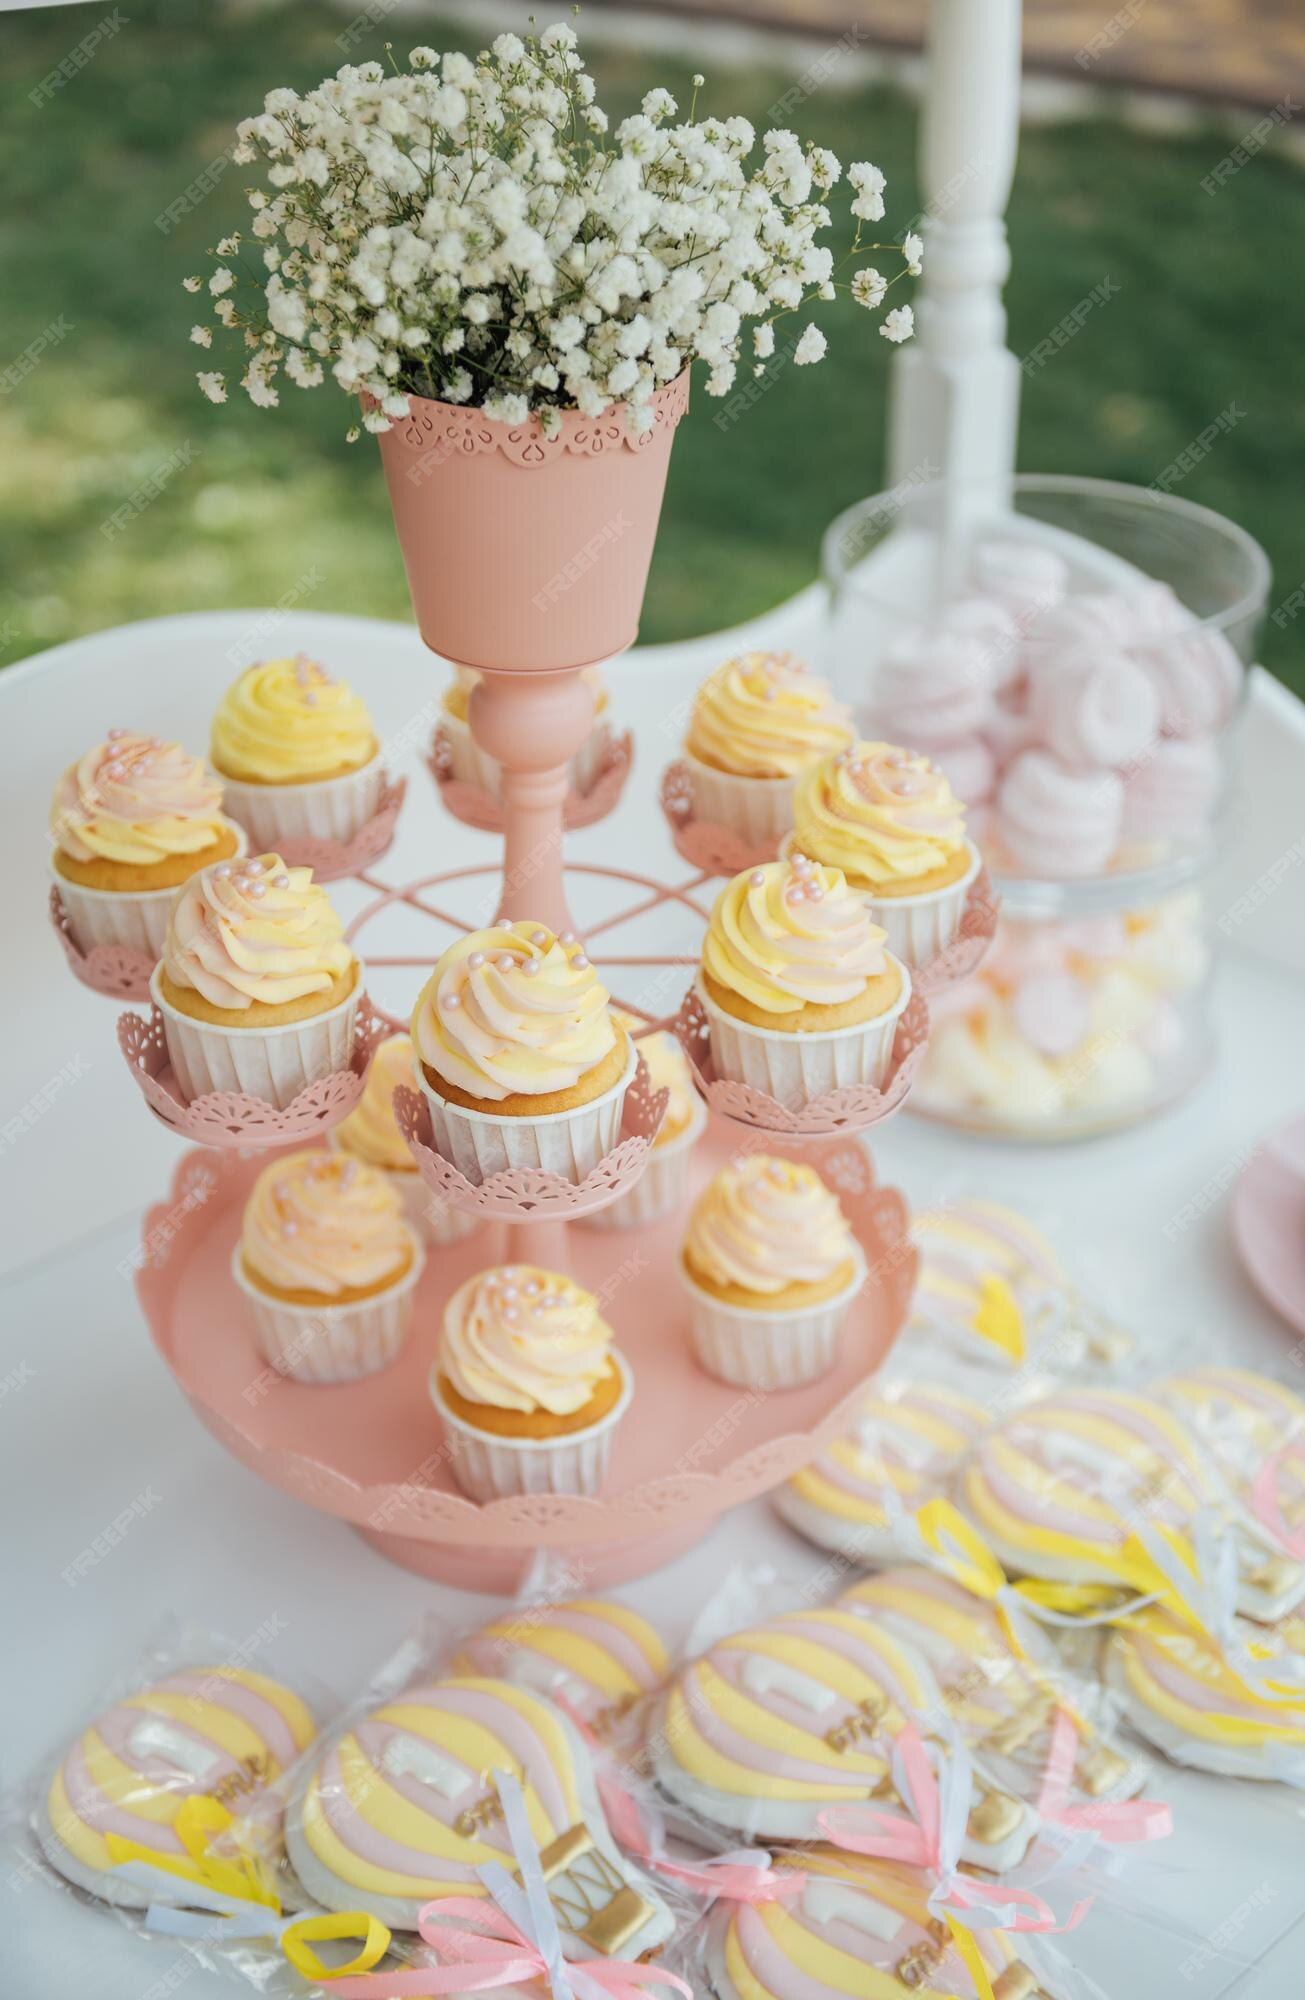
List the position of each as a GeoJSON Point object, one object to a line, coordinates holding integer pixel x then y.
{"type": "Point", "coordinates": [334, 860]}
{"type": "Point", "coordinates": [106, 968]}
{"type": "Point", "coordinates": [971, 944]}
{"type": "Point", "coordinates": [481, 809]}
{"type": "Point", "coordinates": [716, 850]}
{"type": "Point", "coordinates": [371, 1451]}
{"type": "Point", "coordinates": [852, 1109]}
{"type": "Point", "coordinates": [231, 1119]}
{"type": "Point", "coordinates": [529, 1194]}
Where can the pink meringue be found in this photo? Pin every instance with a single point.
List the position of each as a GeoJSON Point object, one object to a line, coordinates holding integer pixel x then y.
{"type": "Point", "coordinates": [1023, 577]}
{"type": "Point", "coordinates": [1170, 794]}
{"type": "Point", "coordinates": [1008, 727]}
{"type": "Point", "coordinates": [968, 766]}
{"type": "Point", "coordinates": [932, 685]}
{"type": "Point", "coordinates": [1093, 708]}
{"type": "Point", "coordinates": [1197, 677]}
{"type": "Point", "coordinates": [1053, 1012]}
{"type": "Point", "coordinates": [996, 630]}
{"type": "Point", "coordinates": [1057, 821]}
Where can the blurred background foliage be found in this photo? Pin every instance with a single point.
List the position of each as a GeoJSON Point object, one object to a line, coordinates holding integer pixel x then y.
{"type": "Point", "coordinates": [272, 506]}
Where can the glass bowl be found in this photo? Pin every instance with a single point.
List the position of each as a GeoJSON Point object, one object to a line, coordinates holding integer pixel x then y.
{"type": "Point", "coordinates": [1072, 652]}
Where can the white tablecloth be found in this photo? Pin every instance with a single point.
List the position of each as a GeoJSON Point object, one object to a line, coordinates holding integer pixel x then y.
{"type": "Point", "coordinates": [89, 1420]}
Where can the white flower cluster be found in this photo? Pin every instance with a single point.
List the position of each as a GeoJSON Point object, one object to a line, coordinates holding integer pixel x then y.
{"type": "Point", "coordinates": [468, 231]}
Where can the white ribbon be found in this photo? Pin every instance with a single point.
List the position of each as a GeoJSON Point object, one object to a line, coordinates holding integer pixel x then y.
{"type": "Point", "coordinates": [238, 1917]}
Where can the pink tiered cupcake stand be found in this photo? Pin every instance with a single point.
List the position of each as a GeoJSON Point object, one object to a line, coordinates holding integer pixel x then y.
{"type": "Point", "coordinates": [372, 1451]}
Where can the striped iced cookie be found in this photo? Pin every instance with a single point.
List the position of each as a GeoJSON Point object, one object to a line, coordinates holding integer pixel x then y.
{"type": "Point", "coordinates": [402, 1807]}
{"type": "Point", "coordinates": [209, 1733]}
{"type": "Point", "coordinates": [773, 1725]}
{"type": "Point", "coordinates": [908, 1439]}
{"type": "Point", "coordinates": [1004, 1705]}
{"type": "Point", "coordinates": [1181, 1694]}
{"type": "Point", "coordinates": [858, 1928]}
{"type": "Point", "coordinates": [598, 1657]}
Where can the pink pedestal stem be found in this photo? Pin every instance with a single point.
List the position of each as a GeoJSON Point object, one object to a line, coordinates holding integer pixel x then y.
{"type": "Point", "coordinates": [532, 725]}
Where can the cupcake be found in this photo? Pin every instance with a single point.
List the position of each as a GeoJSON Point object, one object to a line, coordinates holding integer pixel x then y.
{"type": "Point", "coordinates": [297, 753]}
{"type": "Point", "coordinates": [370, 1133]}
{"type": "Point", "coordinates": [475, 766]}
{"type": "Point", "coordinates": [891, 822]}
{"type": "Point", "coordinates": [771, 1266]}
{"type": "Point", "coordinates": [518, 1055]}
{"type": "Point", "coordinates": [329, 1266]}
{"type": "Point", "coordinates": [800, 995]}
{"type": "Point", "coordinates": [257, 988]}
{"type": "Point", "coordinates": [129, 822]}
{"type": "Point", "coordinates": [661, 1186]}
{"type": "Point", "coordinates": [756, 722]}
{"type": "Point", "coordinates": [528, 1385]}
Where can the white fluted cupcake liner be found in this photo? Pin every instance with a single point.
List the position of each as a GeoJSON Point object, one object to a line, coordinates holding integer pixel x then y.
{"type": "Point", "coordinates": [919, 927]}
{"type": "Point", "coordinates": [474, 766]}
{"type": "Point", "coordinates": [569, 1143]}
{"type": "Point", "coordinates": [326, 1343]}
{"type": "Point", "coordinates": [755, 1349]}
{"type": "Point", "coordinates": [757, 809]}
{"type": "Point", "coordinates": [794, 1068]}
{"type": "Point", "coordinates": [434, 1220]}
{"type": "Point", "coordinates": [488, 1467]}
{"type": "Point", "coordinates": [272, 1063]}
{"type": "Point", "coordinates": [329, 809]}
{"type": "Point", "coordinates": [136, 921]}
{"type": "Point", "coordinates": [662, 1185]}
{"type": "Point", "coordinates": [467, 761]}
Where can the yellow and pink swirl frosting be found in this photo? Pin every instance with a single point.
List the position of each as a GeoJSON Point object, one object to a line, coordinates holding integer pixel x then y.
{"type": "Point", "coordinates": [324, 1223]}
{"type": "Point", "coordinates": [513, 1010]}
{"type": "Point", "coordinates": [288, 722]}
{"type": "Point", "coordinates": [138, 800]}
{"type": "Point", "coordinates": [793, 933]}
{"type": "Point", "coordinates": [520, 1338]}
{"type": "Point", "coordinates": [765, 715]}
{"type": "Point", "coordinates": [882, 815]}
{"type": "Point", "coordinates": [370, 1131]}
{"type": "Point", "coordinates": [765, 1224]}
{"type": "Point", "coordinates": [254, 932]}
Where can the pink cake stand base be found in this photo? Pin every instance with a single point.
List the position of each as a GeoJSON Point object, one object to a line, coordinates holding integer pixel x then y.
{"type": "Point", "coordinates": [372, 1451]}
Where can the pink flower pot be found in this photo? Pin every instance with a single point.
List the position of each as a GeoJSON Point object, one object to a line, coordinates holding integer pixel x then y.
{"type": "Point", "coordinates": [526, 553]}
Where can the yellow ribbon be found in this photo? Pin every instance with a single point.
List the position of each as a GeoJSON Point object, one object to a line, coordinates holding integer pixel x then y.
{"type": "Point", "coordinates": [298, 1939]}
{"type": "Point", "coordinates": [971, 1958]}
{"type": "Point", "coordinates": [199, 1822]}
{"type": "Point", "coordinates": [998, 1318]}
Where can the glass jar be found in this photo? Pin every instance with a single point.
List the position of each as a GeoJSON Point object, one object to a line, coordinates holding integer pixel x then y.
{"type": "Point", "coordinates": [1073, 654]}
{"type": "Point", "coordinates": [1075, 1024]}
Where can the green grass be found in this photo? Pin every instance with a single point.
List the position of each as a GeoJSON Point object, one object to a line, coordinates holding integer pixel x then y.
{"type": "Point", "coordinates": [1203, 317]}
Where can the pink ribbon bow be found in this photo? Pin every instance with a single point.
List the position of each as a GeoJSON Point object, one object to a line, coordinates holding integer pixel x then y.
{"type": "Point", "coordinates": [479, 1948]}
{"type": "Point", "coordinates": [931, 1840]}
{"type": "Point", "coordinates": [1117, 1821]}
{"type": "Point", "coordinates": [744, 1876]}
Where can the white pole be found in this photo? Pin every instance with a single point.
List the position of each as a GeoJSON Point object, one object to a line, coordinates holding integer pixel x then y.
{"type": "Point", "coordinates": [955, 394]}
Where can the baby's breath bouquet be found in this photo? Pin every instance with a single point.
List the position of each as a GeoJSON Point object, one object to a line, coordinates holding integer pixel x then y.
{"type": "Point", "coordinates": [471, 232]}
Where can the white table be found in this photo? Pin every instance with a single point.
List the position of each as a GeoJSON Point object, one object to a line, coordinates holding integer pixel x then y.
{"type": "Point", "coordinates": [89, 1419]}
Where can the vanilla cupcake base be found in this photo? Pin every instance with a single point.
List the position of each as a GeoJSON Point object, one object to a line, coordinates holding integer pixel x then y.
{"type": "Point", "coordinates": [918, 928]}
{"type": "Point", "coordinates": [662, 1185]}
{"type": "Point", "coordinates": [755, 1349]}
{"type": "Point", "coordinates": [489, 1467]}
{"type": "Point", "coordinates": [757, 809]}
{"type": "Point", "coordinates": [326, 1343]}
{"type": "Point", "coordinates": [271, 1063]}
{"type": "Point", "coordinates": [136, 921]}
{"type": "Point", "coordinates": [569, 1143]}
{"type": "Point", "coordinates": [793, 1068]}
{"type": "Point", "coordinates": [328, 809]}
{"type": "Point", "coordinates": [435, 1220]}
